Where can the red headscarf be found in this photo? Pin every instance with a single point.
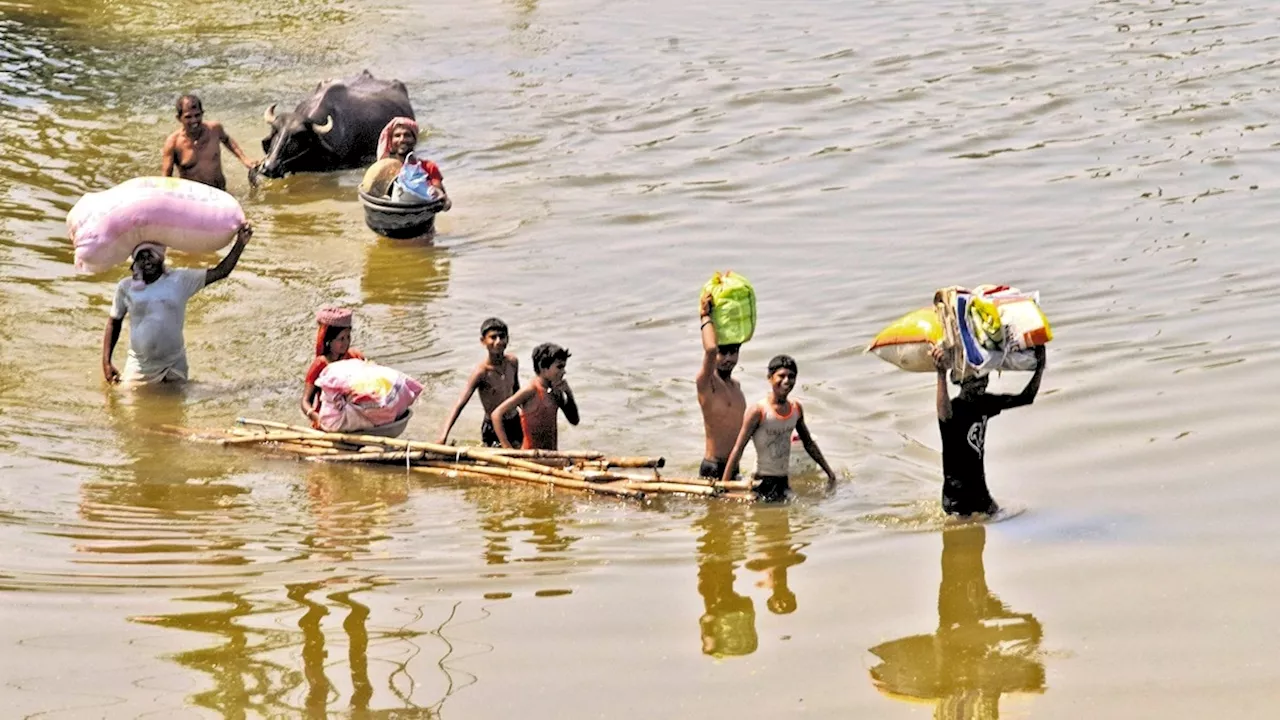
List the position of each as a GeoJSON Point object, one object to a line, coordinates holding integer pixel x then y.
{"type": "Point", "coordinates": [384, 140]}
{"type": "Point", "coordinates": [330, 317]}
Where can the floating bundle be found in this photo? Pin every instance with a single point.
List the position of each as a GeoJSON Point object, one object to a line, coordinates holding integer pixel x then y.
{"type": "Point", "coordinates": [583, 471]}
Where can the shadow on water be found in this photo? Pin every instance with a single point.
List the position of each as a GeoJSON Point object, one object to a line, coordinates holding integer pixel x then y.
{"type": "Point", "coordinates": [728, 622]}
{"type": "Point", "coordinates": [980, 651]}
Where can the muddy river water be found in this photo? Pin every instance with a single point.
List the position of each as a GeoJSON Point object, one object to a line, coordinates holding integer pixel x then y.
{"type": "Point", "coordinates": [604, 158]}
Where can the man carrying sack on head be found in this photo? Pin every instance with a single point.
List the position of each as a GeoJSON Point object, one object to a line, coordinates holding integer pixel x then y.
{"type": "Point", "coordinates": [155, 299]}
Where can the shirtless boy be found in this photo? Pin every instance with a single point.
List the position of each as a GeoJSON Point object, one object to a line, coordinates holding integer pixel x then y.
{"type": "Point", "coordinates": [719, 396]}
{"type": "Point", "coordinates": [540, 401]}
{"type": "Point", "coordinates": [497, 377]}
{"type": "Point", "coordinates": [194, 149]}
{"type": "Point", "coordinates": [768, 424]}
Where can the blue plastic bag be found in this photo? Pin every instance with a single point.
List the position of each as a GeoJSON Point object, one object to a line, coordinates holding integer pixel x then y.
{"type": "Point", "coordinates": [413, 184]}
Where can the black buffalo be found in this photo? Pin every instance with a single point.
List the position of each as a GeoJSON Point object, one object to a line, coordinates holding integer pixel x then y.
{"type": "Point", "coordinates": [334, 129]}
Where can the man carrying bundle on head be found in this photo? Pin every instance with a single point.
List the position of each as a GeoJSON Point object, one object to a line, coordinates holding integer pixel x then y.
{"type": "Point", "coordinates": [399, 173]}
{"type": "Point", "coordinates": [155, 298]}
{"type": "Point", "coordinates": [719, 396]}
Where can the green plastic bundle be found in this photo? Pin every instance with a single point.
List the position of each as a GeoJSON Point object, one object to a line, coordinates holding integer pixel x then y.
{"type": "Point", "coordinates": [733, 307]}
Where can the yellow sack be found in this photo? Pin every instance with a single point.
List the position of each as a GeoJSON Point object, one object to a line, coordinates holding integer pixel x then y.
{"type": "Point", "coordinates": [908, 341]}
{"type": "Point", "coordinates": [733, 307]}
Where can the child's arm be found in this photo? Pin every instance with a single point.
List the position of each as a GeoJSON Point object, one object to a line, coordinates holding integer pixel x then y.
{"type": "Point", "coordinates": [467, 391]}
{"type": "Point", "coordinates": [750, 421]}
{"type": "Point", "coordinates": [568, 404]}
{"type": "Point", "coordinates": [811, 447]}
{"type": "Point", "coordinates": [940, 361]}
{"type": "Point", "coordinates": [309, 391]}
{"type": "Point", "coordinates": [1028, 394]}
{"type": "Point", "coordinates": [506, 407]}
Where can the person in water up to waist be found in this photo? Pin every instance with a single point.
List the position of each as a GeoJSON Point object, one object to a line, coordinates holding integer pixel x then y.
{"type": "Point", "coordinates": [768, 424]}
{"type": "Point", "coordinates": [155, 299]}
{"type": "Point", "coordinates": [333, 343]}
{"type": "Point", "coordinates": [497, 378]}
{"type": "Point", "coordinates": [194, 148]}
{"type": "Point", "coordinates": [719, 396]}
{"type": "Point", "coordinates": [963, 425]}
{"type": "Point", "coordinates": [540, 401]}
{"type": "Point", "coordinates": [396, 142]}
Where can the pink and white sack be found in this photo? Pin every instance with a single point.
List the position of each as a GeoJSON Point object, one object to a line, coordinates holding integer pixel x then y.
{"type": "Point", "coordinates": [357, 395]}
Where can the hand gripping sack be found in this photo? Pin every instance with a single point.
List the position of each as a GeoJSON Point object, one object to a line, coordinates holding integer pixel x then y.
{"type": "Point", "coordinates": [357, 395]}
{"type": "Point", "coordinates": [733, 307]}
{"type": "Point", "coordinates": [181, 214]}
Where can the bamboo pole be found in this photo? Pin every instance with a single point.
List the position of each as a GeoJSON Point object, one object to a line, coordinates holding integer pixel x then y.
{"type": "Point", "coordinates": [673, 487]}
{"type": "Point", "coordinates": [557, 454]}
{"type": "Point", "coordinates": [399, 455]}
{"type": "Point", "coordinates": [267, 437]}
{"type": "Point", "coordinates": [515, 474]}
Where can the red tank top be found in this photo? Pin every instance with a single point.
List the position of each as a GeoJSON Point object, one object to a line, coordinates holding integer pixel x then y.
{"type": "Point", "coordinates": [538, 420]}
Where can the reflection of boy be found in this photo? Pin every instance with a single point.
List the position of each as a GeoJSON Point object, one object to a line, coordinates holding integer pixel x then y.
{"type": "Point", "coordinates": [540, 402]}
{"type": "Point", "coordinates": [769, 425]}
{"type": "Point", "coordinates": [719, 396]}
{"type": "Point", "coordinates": [728, 622]}
{"type": "Point", "coordinates": [497, 377]}
{"type": "Point", "coordinates": [963, 424]}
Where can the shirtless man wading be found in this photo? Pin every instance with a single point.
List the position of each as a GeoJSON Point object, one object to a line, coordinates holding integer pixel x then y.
{"type": "Point", "coordinates": [719, 396]}
{"type": "Point", "coordinates": [194, 149]}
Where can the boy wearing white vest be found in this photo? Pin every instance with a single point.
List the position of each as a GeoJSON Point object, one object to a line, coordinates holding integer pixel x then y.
{"type": "Point", "coordinates": [769, 424]}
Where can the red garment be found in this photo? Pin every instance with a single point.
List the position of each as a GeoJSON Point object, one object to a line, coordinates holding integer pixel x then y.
{"type": "Point", "coordinates": [540, 413]}
{"type": "Point", "coordinates": [432, 170]}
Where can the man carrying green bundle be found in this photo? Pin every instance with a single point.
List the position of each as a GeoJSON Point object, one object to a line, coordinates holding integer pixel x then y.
{"type": "Point", "coordinates": [719, 395]}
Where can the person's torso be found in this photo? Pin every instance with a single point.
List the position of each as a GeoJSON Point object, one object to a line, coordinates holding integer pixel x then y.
{"type": "Point", "coordinates": [157, 313]}
{"type": "Point", "coordinates": [498, 384]}
{"type": "Point", "coordinates": [538, 417]}
{"type": "Point", "coordinates": [964, 438]}
{"type": "Point", "coordinates": [772, 439]}
{"type": "Point", "coordinates": [200, 160]}
{"type": "Point", "coordinates": [722, 411]}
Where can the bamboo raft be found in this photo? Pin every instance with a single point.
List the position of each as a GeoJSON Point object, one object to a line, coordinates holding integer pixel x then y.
{"type": "Point", "coordinates": [577, 470]}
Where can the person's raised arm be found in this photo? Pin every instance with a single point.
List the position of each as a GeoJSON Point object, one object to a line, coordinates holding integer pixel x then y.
{"type": "Point", "coordinates": [224, 268]}
{"type": "Point", "coordinates": [750, 421]}
{"type": "Point", "coordinates": [811, 447]}
{"type": "Point", "coordinates": [511, 403]}
{"type": "Point", "coordinates": [708, 368]}
{"type": "Point", "coordinates": [941, 360]}
{"type": "Point", "coordinates": [166, 162]}
{"type": "Point", "coordinates": [567, 403]}
{"type": "Point", "coordinates": [472, 383]}
{"type": "Point", "coordinates": [110, 336]}
{"type": "Point", "coordinates": [1028, 394]}
{"type": "Point", "coordinates": [234, 147]}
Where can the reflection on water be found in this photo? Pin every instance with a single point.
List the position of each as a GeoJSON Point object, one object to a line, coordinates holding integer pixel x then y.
{"type": "Point", "coordinates": [980, 651]}
{"type": "Point", "coordinates": [728, 622]}
{"type": "Point", "coordinates": [504, 516]}
{"type": "Point", "coordinates": [404, 273]}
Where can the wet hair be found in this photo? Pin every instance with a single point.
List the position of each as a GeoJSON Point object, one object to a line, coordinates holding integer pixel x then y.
{"type": "Point", "coordinates": [194, 100]}
{"type": "Point", "coordinates": [546, 355]}
{"type": "Point", "coordinates": [729, 349]}
{"type": "Point", "coordinates": [783, 361]}
{"type": "Point", "coordinates": [491, 324]}
{"type": "Point", "coordinates": [331, 333]}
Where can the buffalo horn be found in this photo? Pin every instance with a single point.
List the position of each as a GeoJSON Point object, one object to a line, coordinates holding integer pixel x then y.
{"type": "Point", "coordinates": [270, 114]}
{"type": "Point", "coordinates": [324, 127]}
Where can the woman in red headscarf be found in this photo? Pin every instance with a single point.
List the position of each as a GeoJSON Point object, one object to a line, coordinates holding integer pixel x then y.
{"type": "Point", "coordinates": [333, 343]}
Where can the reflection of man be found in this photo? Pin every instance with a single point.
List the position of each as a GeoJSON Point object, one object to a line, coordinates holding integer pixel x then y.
{"type": "Point", "coordinates": [728, 622]}
{"type": "Point", "coordinates": [980, 651]}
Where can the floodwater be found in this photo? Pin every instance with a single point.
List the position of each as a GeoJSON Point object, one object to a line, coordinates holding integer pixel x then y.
{"type": "Point", "coordinates": [604, 158]}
